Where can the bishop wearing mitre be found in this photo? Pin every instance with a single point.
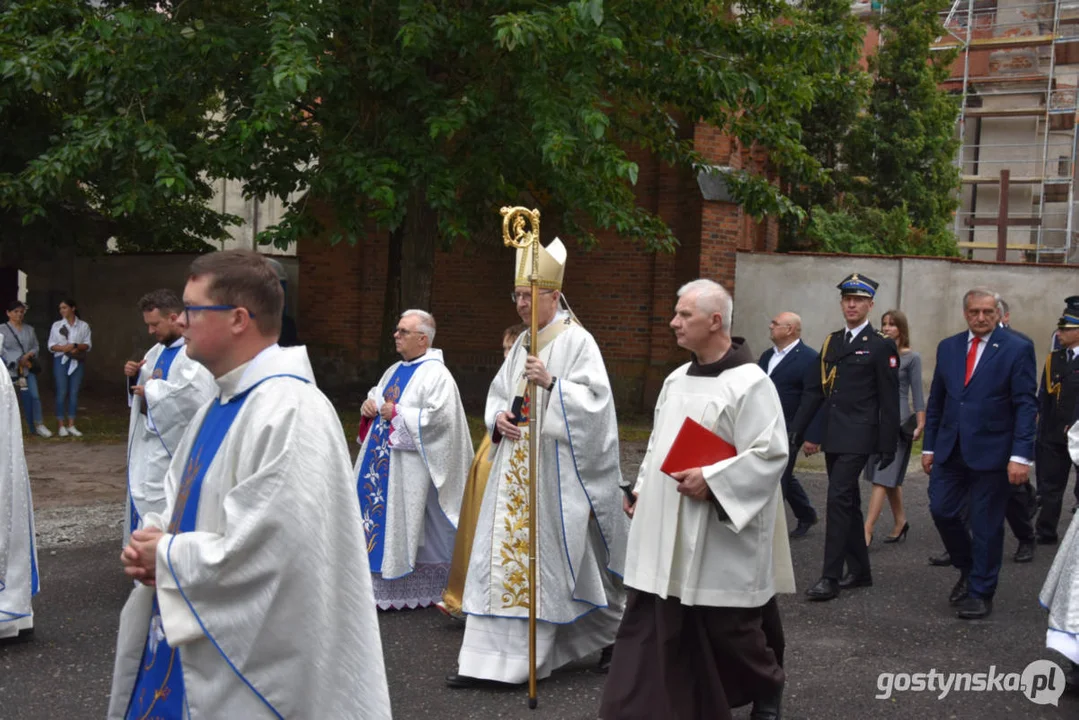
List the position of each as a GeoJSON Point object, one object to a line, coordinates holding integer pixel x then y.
{"type": "Point", "coordinates": [581, 527]}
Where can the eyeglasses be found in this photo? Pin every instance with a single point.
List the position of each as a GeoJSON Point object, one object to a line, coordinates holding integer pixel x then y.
{"type": "Point", "coordinates": [773, 323]}
{"type": "Point", "coordinates": [404, 333]}
{"type": "Point", "coordinates": [517, 297]}
{"type": "Point", "coordinates": [188, 309]}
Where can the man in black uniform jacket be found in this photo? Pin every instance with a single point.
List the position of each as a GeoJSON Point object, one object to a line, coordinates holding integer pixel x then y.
{"type": "Point", "coordinates": [858, 384]}
{"type": "Point", "coordinates": [1057, 399]}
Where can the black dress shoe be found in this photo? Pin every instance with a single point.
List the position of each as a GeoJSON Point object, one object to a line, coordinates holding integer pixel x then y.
{"type": "Point", "coordinates": [850, 580]}
{"type": "Point", "coordinates": [604, 665]}
{"type": "Point", "coordinates": [961, 591]}
{"type": "Point", "coordinates": [457, 682]}
{"type": "Point", "coordinates": [825, 589]}
{"type": "Point", "coordinates": [803, 528]}
{"type": "Point", "coordinates": [974, 608]}
{"type": "Point", "coordinates": [768, 708]}
{"type": "Point", "coordinates": [1048, 540]}
{"type": "Point", "coordinates": [942, 560]}
{"type": "Point", "coordinates": [1025, 552]}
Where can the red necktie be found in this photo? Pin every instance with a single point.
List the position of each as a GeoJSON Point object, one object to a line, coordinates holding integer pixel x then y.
{"type": "Point", "coordinates": [972, 357]}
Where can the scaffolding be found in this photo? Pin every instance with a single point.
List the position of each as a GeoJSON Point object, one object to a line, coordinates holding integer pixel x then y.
{"type": "Point", "coordinates": [1016, 75]}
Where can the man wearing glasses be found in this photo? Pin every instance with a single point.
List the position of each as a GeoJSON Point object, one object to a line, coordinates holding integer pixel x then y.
{"type": "Point", "coordinates": [582, 529]}
{"type": "Point", "coordinates": [253, 597]}
{"type": "Point", "coordinates": [411, 470]}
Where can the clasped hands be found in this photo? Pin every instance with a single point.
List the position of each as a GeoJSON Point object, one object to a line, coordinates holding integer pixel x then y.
{"type": "Point", "coordinates": [535, 371]}
{"type": "Point", "coordinates": [139, 558]}
{"type": "Point", "coordinates": [370, 409]}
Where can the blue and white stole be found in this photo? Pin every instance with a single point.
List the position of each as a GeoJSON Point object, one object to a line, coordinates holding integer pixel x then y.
{"type": "Point", "coordinates": [375, 471]}
{"type": "Point", "coordinates": [159, 686]}
{"type": "Point", "coordinates": [161, 372]}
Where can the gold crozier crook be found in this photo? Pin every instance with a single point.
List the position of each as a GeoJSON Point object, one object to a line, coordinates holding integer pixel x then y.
{"type": "Point", "coordinates": [827, 377]}
{"type": "Point", "coordinates": [521, 230]}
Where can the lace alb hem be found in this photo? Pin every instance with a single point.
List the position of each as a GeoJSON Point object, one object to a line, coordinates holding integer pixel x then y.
{"type": "Point", "coordinates": [420, 588]}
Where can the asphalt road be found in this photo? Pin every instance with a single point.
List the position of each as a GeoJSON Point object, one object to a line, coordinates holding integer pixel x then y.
{"type": "Point", "coordinates": [835, 651]}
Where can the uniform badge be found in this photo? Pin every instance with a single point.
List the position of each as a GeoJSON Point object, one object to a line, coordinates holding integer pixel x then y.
{"type": "Point", "coordinates": [893, 361]}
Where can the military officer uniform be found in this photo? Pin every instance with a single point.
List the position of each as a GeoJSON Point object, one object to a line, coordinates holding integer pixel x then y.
{"type": "Point", "coordinates": [858, 385]}
{"type": "Point", "coordinates": [1057, 400]}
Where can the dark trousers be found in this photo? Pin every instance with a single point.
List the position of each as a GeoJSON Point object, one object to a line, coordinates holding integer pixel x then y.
{"type": "Point", "coordinates": [1052, 465]}
{"type": "Point", "coordinates": [1020, 512]}
{"type": "Point", "coordinates": [952, 487]}
{"type": "Point", "coordinates": [795, 494]}
{"type": "Point", "coordinates": [844, 534]}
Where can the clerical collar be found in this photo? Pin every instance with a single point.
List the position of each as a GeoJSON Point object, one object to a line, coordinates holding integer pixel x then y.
{"type": "Point", "coordinates": [416, 359]}
{"type": "Point", "coordinates": [178, 342]}
{"type": "Point", "coordinates": [231, 380]}
{"type": "Point", "coordinates": [737, 354]}
{"type": "Point", "coordinates": [560, 315]}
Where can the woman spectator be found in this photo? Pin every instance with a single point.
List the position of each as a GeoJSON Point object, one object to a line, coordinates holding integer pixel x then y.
{"type": "Point", "coordinates": [69, 341]}
{"type": "Point", "coordinates": [888, 483]}
{"type": "Point", "coordinates": [20, 354]}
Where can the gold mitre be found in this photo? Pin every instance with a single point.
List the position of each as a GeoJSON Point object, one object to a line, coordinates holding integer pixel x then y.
{"type": "Point", "coordinates": [552, 265]}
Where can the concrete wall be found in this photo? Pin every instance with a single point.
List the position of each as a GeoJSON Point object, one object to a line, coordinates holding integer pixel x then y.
{"type": "Point", "coordinates": [929, 291]}
{"type": "Point", "coordinates": [107, 289]}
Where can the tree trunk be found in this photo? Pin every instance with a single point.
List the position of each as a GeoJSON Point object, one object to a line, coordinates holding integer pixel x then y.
{"type": "Point", "coordinates": [410, 272]}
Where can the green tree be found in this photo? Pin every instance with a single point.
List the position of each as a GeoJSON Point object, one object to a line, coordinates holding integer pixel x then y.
{"type": "Point", "coordinates": [905, 143]}
{"type": "Point", "coordinates": [840, 91]}
{"type": "Point", "coordinates": [416, 117]}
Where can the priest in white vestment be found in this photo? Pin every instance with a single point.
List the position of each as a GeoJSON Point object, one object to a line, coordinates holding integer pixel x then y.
{"type": "Point", "coordinates": [165, 390]}
{"type": "Point", "coordinates": [701, 631]}
{"type": "Point", "coordinates": [254, 598]}
{"type": "Point", "coordinates": [411, 470]}
{"type": "Point", "coordinates": [582, 530]}
{"type": "Point", "coordinates": [1060, 594]}
{"type": "Point", "coordinates": [18, 552]}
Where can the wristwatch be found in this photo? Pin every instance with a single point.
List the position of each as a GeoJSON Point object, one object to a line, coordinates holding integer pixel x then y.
{"type": "Point", "coordinates": [550, 388]}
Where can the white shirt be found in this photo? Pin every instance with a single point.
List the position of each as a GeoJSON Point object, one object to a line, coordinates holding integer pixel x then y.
{"type": "Point", "coordinates": [778, 355]}
{"type": "Point", "coordinates": [854, 332]}
{"type": "Point", "coordinates": [977, 358]}
{"type": "Point", "coordinates": [981, 348]}
{"type": "Point", "coordinates": [77, 334]}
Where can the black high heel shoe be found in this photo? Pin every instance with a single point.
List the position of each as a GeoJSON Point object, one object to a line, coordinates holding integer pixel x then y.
{"type": "Point", "coordinates": [901, 536]}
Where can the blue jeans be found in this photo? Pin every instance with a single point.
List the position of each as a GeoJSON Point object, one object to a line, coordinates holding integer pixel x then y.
{"type": "Point", "coordinates": [32, 402]}
{"type": "Point", "coordinates": [67, 388]}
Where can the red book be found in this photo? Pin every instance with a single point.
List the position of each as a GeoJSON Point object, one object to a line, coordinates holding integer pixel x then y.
{"type": "Point", "coordinates": [696, 446]}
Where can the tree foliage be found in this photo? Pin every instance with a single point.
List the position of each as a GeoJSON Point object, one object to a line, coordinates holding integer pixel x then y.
{"type": "Point", "coordinates": [886, 139]}
{"type": "Point", "coordinates": [417, 117]}
{"type": "Point", "coordinates": [905, 143]}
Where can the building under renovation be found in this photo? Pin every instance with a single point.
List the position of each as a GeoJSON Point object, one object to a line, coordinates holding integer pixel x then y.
{"type": "Point", "coordinates": [1016, 73]}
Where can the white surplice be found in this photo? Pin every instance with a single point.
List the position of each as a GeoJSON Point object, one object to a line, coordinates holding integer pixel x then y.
{"type": "Point", "coordinates": [678, 546]}
{"type": "Point", "coordinates": [1060, 593]}
{"type": "Point", "coordinates": [582, 528]}
{"type": "Point", "coordinates": [152, 436]}
{"type": "Point", "coordinates": [275, 572]}
{"type": "Point", "coordinates": [18, 553]}
{"type": "Point", "coordinates": [430, 454]}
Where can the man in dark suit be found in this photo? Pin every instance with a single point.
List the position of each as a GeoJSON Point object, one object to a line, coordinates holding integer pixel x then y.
{"type": "Point", "coordinates": [858, 385]}
{"type": "Point", "coordinates": [979, 441]}
{"type": "Point", "coordinates": [1058, 401]}
{"type": "Point", "coordinates": [787, 363]}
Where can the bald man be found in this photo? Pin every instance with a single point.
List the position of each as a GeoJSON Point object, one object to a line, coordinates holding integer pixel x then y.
{"type": "Point", "coordinates": [787, 362]}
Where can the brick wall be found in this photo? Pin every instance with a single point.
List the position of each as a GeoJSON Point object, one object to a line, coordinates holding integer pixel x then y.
{"type": "Point", "coordinates": [623, 294]}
